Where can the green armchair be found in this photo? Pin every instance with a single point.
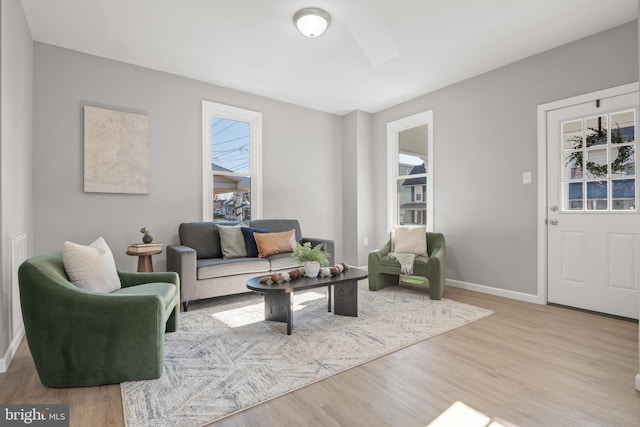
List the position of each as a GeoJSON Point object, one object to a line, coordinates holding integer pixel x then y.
{"type": "Point", "coordinates": [384, 271]}
{"type": "Point", "coordinates": [85, 338]}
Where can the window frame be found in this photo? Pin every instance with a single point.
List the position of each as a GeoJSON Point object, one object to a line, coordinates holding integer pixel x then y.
{"type": "Point", "coordinates": [254, 119]}
{"type": "Point", "coordinates": [393, 130]}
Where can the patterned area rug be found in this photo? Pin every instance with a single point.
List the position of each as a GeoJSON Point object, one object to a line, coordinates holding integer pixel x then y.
{"type": "Point", "coordinates": [225, 357]}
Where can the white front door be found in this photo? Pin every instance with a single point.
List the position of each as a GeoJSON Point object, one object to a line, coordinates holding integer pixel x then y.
{"type": "Point", "coordinates": [593, 230]}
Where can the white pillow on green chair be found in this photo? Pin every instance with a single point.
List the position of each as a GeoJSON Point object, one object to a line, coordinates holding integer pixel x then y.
{"type": "Point", "coordinates": [91, 267]}
{"type": "Point", "coordinates": [409, 240]}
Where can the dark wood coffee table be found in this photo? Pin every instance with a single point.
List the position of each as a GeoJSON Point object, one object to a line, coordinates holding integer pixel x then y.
{"type": "Point", "coordinates": [277, 297]}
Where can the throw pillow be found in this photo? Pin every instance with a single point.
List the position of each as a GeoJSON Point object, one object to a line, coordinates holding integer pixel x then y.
{"type": "Point", "coordinates": [409, 240]}
{"type": "Point", "coordinates": [232, 241]}
{"type": "Point", "coordinates": [250, 241]}
{"type": "Point", "coordinates": [91, 267]}
{"type": "Point", "coordinates": [275, 243]}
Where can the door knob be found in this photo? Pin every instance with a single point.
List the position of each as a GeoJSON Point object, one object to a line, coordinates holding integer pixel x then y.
{"type": "Point", "coordinates": [553, 222]}
{"type": "Point", "coordinates": [554, 208]}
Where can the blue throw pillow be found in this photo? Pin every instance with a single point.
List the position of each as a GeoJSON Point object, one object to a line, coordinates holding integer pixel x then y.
{"type": "Point", "coordinates": [250, 241]}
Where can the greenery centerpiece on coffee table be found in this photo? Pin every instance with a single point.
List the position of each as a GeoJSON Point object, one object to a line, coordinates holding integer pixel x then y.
{"type": "Point", "coordinates": [312, 257]}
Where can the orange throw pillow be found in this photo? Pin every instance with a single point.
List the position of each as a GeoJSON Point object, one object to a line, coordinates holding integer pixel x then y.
{"type": "Point", "coordinates": [275, 243]}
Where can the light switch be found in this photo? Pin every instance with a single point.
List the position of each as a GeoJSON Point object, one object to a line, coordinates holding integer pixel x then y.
{"type": "Point", "coordinates": [526, 177]}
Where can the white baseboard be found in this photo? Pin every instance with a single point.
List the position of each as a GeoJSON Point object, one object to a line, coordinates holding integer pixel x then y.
{"type": "Point", "coordinates": [5, 361]}
{"type": "Point", "coordinates": [638, 381]}
{"type": "Point", "coordinates": [520, 296]}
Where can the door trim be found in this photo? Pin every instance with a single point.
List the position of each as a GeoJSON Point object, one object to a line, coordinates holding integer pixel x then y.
{"type": "Point", "coordinates": [543, 109]}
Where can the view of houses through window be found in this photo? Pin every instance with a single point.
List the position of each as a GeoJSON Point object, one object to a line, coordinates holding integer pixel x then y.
{"type": "Point", "coordinates": [412, 176]}
{"type": "Point", "coordinates": [409, 171]}
{"type": "Point", "coordinates": [231, 139]}
{"type": "Point", "coordinates": [412, 206]}
{"type": "Point", "coordinates": [230, 163]}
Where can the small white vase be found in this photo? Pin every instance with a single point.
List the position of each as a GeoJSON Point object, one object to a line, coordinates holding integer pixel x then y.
{"type": "Point", "coordinates": [311, 268]}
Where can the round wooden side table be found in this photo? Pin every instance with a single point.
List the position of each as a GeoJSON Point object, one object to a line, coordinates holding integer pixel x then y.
{"type": "Point", "coordinates": [145, 264]}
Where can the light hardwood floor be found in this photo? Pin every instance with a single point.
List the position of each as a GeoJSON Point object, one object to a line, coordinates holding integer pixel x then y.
{"type": "Point", "coordinates": [529, 364]}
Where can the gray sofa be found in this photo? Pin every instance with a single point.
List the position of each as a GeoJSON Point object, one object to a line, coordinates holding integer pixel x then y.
{"type": "Point", "coordinates": [203, 271]}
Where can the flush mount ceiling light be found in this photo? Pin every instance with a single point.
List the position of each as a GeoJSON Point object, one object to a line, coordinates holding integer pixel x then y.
{"type": "Point", "coordinates": [311, 21]}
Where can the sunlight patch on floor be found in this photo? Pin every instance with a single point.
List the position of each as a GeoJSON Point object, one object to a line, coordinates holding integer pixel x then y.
{"type": "Point", "coordinates": [461, 415]}
{"type": "Point", "coordinates": [241, 316]}
{"type": "Point", "coordinates": [254, 313]}
{"type": "Point", "coordinates": [303, 297]}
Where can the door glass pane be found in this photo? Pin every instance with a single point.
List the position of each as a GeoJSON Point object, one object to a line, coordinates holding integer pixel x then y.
{"type": "Point", "coordinates": [623, 160]}
{"type": "Point", "coordinates": [623, 194]}
{"type": "Point", "coordinates": [573, 196]}
{"type": "Point", "coordinates": [596, 130]}
{"type": "Point", "coordinates": [572, 135]}
{"type": "Point", "coordinates": [597, 163]}
{"type": "Point", "coordinates": [597, 195]}
{"type": "Point", "coordinates": [623, 127]}
{"type": "Point", "coordinates": [599, 174]}
{"type": "Point", "coordinates": [572, 165]}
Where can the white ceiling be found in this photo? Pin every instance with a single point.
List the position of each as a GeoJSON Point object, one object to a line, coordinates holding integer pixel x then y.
{"type": "Point", "coordinates": [375, 53]}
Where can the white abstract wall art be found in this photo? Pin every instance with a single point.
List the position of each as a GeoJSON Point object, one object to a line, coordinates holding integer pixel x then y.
{"type": "Point", "coordinates": [116, 151]}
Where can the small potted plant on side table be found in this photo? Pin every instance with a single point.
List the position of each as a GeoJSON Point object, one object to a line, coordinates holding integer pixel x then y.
{"type": "Point", "coordinates": [146, 237]}
{"type": "Point", "coordinates": [312, 258]}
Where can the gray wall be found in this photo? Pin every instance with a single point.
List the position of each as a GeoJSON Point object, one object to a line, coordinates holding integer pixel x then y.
{"type": "Point", "coordinates": [485, 135]}
{"type": "Point", "coordinates": [365, 192]}
{"type": "Point", "coordinates": [16, 195]}
{"type": "Point", "coordinates": [301, 155]}
{"type": "Point", "coordinates": [350, 188]}
{"type": "Point", "coordinates": [357, 188]}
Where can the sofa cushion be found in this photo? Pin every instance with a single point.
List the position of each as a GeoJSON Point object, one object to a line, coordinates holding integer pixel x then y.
{"type": "Point", "coordinates": [166, 291]}
{"type": "Point", "coordinates": [91, 267]}
{"type": "Point", "coordinates": [218, 267]}
{"type": "Point", "coordinates": [250, 241]}
{"type": "Point", "coordinates": [283, 261]}
{"type": "Point", "coordinates": [276, 225]}
{"type": "Point", "coordinates": [275, 243]}
{"type": "Point", "coordinates": [203, 237]}
{"type": "Point", "coordinates": [232, 241]}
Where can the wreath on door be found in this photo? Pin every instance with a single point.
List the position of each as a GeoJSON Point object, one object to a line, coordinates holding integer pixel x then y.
{"type": "Point", "coordinates": [619, 165]}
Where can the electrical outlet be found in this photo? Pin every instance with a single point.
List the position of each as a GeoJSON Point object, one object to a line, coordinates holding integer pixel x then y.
{"type": "Point", "coordinates": [526, 177]}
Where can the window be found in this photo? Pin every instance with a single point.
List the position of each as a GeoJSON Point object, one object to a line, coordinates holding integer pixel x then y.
{"type": "Point", "coordinates": [410, 170]}
{"type": "Point", "coordinates": [418, 193]}
{"type": "Point", "coordinates": [598, 163]}
{"type": "Point", "coordinates": [232, 140]}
